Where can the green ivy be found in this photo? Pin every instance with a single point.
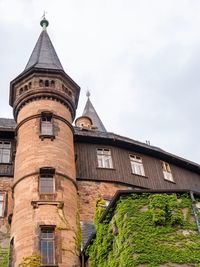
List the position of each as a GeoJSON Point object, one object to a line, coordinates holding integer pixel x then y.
{"type": "Point", "coordinates": [147, 229]}
{"type": "Point", "coordinates": [4, 257]}
{"type": "Point", "coordinates": [31, 261]}
{"type": "Point", "coordinates": [100, 204]}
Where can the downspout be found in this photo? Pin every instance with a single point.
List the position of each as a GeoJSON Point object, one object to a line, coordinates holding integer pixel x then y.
{"type": "Point", "coordinates": [195, 211]}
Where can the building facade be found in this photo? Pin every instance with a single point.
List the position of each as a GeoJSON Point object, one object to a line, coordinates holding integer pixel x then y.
{"type": "Point", "coordinates": [52, 171]}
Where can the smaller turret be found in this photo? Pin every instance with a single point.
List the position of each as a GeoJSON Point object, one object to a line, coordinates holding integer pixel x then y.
{"type": "Point", "coordinates": [90, 119]}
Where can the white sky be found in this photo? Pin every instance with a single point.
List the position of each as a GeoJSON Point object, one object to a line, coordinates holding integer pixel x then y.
{"type": "Point", "coordinates": [139, 58]}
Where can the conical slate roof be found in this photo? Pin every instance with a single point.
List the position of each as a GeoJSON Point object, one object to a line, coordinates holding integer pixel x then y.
{"type": "Point", "coordinates": [90, 112]}
{"type": "Point", "coordinates": [44, 55]}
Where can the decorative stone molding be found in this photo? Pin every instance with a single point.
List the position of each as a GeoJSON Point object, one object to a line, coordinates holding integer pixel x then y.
{"type": "Point", "coordinates": [37, 203]}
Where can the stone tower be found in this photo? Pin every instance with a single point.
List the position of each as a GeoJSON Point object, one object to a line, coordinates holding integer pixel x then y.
{"type": "Point", "coordinates": [45, 219]}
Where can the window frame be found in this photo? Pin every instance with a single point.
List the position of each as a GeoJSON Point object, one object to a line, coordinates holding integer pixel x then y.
{"type": "Point", "coordinates": [51, 228]}
{"type": "Point", "coordinates": [2, 153]}
{"type": "Point", "coordinates": [47, 172]}
{"type": "Point", "coordinates": [136, 163]}
{"type": "Point", "coordinates": [167, 173]}
{"type": "Point", "coordinates": [3, 201]}
{"type": "Point", "coordinates": [45, 117]}
{"type": "Point", "coordinates": [103, 158]}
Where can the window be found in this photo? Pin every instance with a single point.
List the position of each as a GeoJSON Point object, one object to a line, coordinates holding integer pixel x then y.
{"type": "Point", "coordinates": [41, 83]}
{"type": "Point", "coordinates": [137, 165]}
{"type": "Point", "coordinates": [5, 148]}
{"type": "Point", "coordinates": [167, 171]}
{"type": "Point", "coordinates": [2, 203]}
{"type": "Point", "coordinates": [52, 84]}
{"type": "Point", "coordinates": [104, 158]}
{"type": "Point", "coordinates": [46, 83]}
{"type": "Point", "coordinates": [47, 181]}
{"type": "Point", "coordinates": [47, 124]}
{"type": "Point", "coordinates": [47, 245]}
{"type": "Point", "coordinates": [21, 91]}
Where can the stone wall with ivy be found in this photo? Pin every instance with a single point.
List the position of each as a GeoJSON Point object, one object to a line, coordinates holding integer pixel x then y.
{"type": "Point", "coordinates": [4, 257]}
{"type": "Point", "coordinates": [147, 230]}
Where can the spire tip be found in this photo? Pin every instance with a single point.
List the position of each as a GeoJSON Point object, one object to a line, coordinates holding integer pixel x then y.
{"type": "Point", "coordinates": [88, 93]}
{"type": "Point", "coordinates": [44, 22]}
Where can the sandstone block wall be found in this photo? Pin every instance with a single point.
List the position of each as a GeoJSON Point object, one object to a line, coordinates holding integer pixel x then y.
{"type": "Point", "coordinates": [90, 191]}
{"type": "Point", "coordinates": [33, 210]}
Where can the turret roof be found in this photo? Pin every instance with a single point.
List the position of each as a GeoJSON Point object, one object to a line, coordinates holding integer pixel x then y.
{"type": "Point", "coordinates": [90, 112]}
{"type": "Point", "coordinates": [44, 55]}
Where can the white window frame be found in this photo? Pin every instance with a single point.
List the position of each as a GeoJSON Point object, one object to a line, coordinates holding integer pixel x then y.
{"type": "Point", "coordinates": [167, 171]}
{"type": "Point", "coordinates": [137, 166]}
{"type": "Point", "coordinates": [104, 158]}
{"type": "Point", "coordinates": [5, 151]}
{"type": "Point", "coordinates": [2, 203]}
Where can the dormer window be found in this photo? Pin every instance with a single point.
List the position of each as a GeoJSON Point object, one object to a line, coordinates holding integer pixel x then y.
{"type": "Point", "coordinates": [46, 125]}
{"type": "Point", "coordinates": [5, 151]}
{"type": "Point", "coordinates": [167, 171]}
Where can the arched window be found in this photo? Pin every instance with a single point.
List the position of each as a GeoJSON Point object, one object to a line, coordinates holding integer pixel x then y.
{"type": "Point", "coordinates": [29, 85]}
{"type": "Point", "coordinates": [21, 91]}
{"type": "Point", "coordinates": [25, 88]}
{"type": "Point", "coordinates": [41, 83]}
{"type": "Point", "coordinates": [46, 83]}
{"type": "Point", "coordinates": [53, 84]}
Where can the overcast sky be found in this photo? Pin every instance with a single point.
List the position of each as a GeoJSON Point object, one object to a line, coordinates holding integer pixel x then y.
{"type": "Point", "coordinates": [140, 59]}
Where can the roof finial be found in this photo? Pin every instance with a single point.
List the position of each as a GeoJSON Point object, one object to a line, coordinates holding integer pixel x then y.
{"type": "Point", "coordinates": [44, 22]}
{"type": "Point", "coordinates": [88, 93]}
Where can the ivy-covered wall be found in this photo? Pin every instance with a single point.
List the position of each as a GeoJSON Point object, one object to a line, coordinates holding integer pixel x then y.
{"type": "Point", "coordinates": [4, 257]}
{"type": "Point", "coordinates": [147, 230]}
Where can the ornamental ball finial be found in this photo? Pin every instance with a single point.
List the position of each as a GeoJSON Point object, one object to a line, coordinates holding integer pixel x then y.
{"type": "Point", "coordinates": [88, 93]}
{"type": "Point", "coordinates": [44, 22]}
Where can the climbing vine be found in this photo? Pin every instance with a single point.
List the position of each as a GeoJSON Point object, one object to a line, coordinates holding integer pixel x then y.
{"type": "Point", "coordinates": [100, 208]}
{"type": "Point", "coordinates": [4, 257]}
{"type": "Point", "coordinates": [147, 230]}
{"type": "Point", "coordinates": [31, 261]}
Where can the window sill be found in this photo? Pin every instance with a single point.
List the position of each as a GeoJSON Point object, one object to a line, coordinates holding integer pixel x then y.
{"type": "Point", "coordinates": [47, 194]}
{"type": "Point", "coordinates": [45, 136]}
{"type": "Point", "coordinates": [102, 168]}
{"type": "Point", "coordinates": [6, 163]}
{"type": "Point", "coordinates": [36, 204]}
{"type": "Point", "coordinates": [169, 181]}
{"type": "Point", "coordinates": [142, 176]}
